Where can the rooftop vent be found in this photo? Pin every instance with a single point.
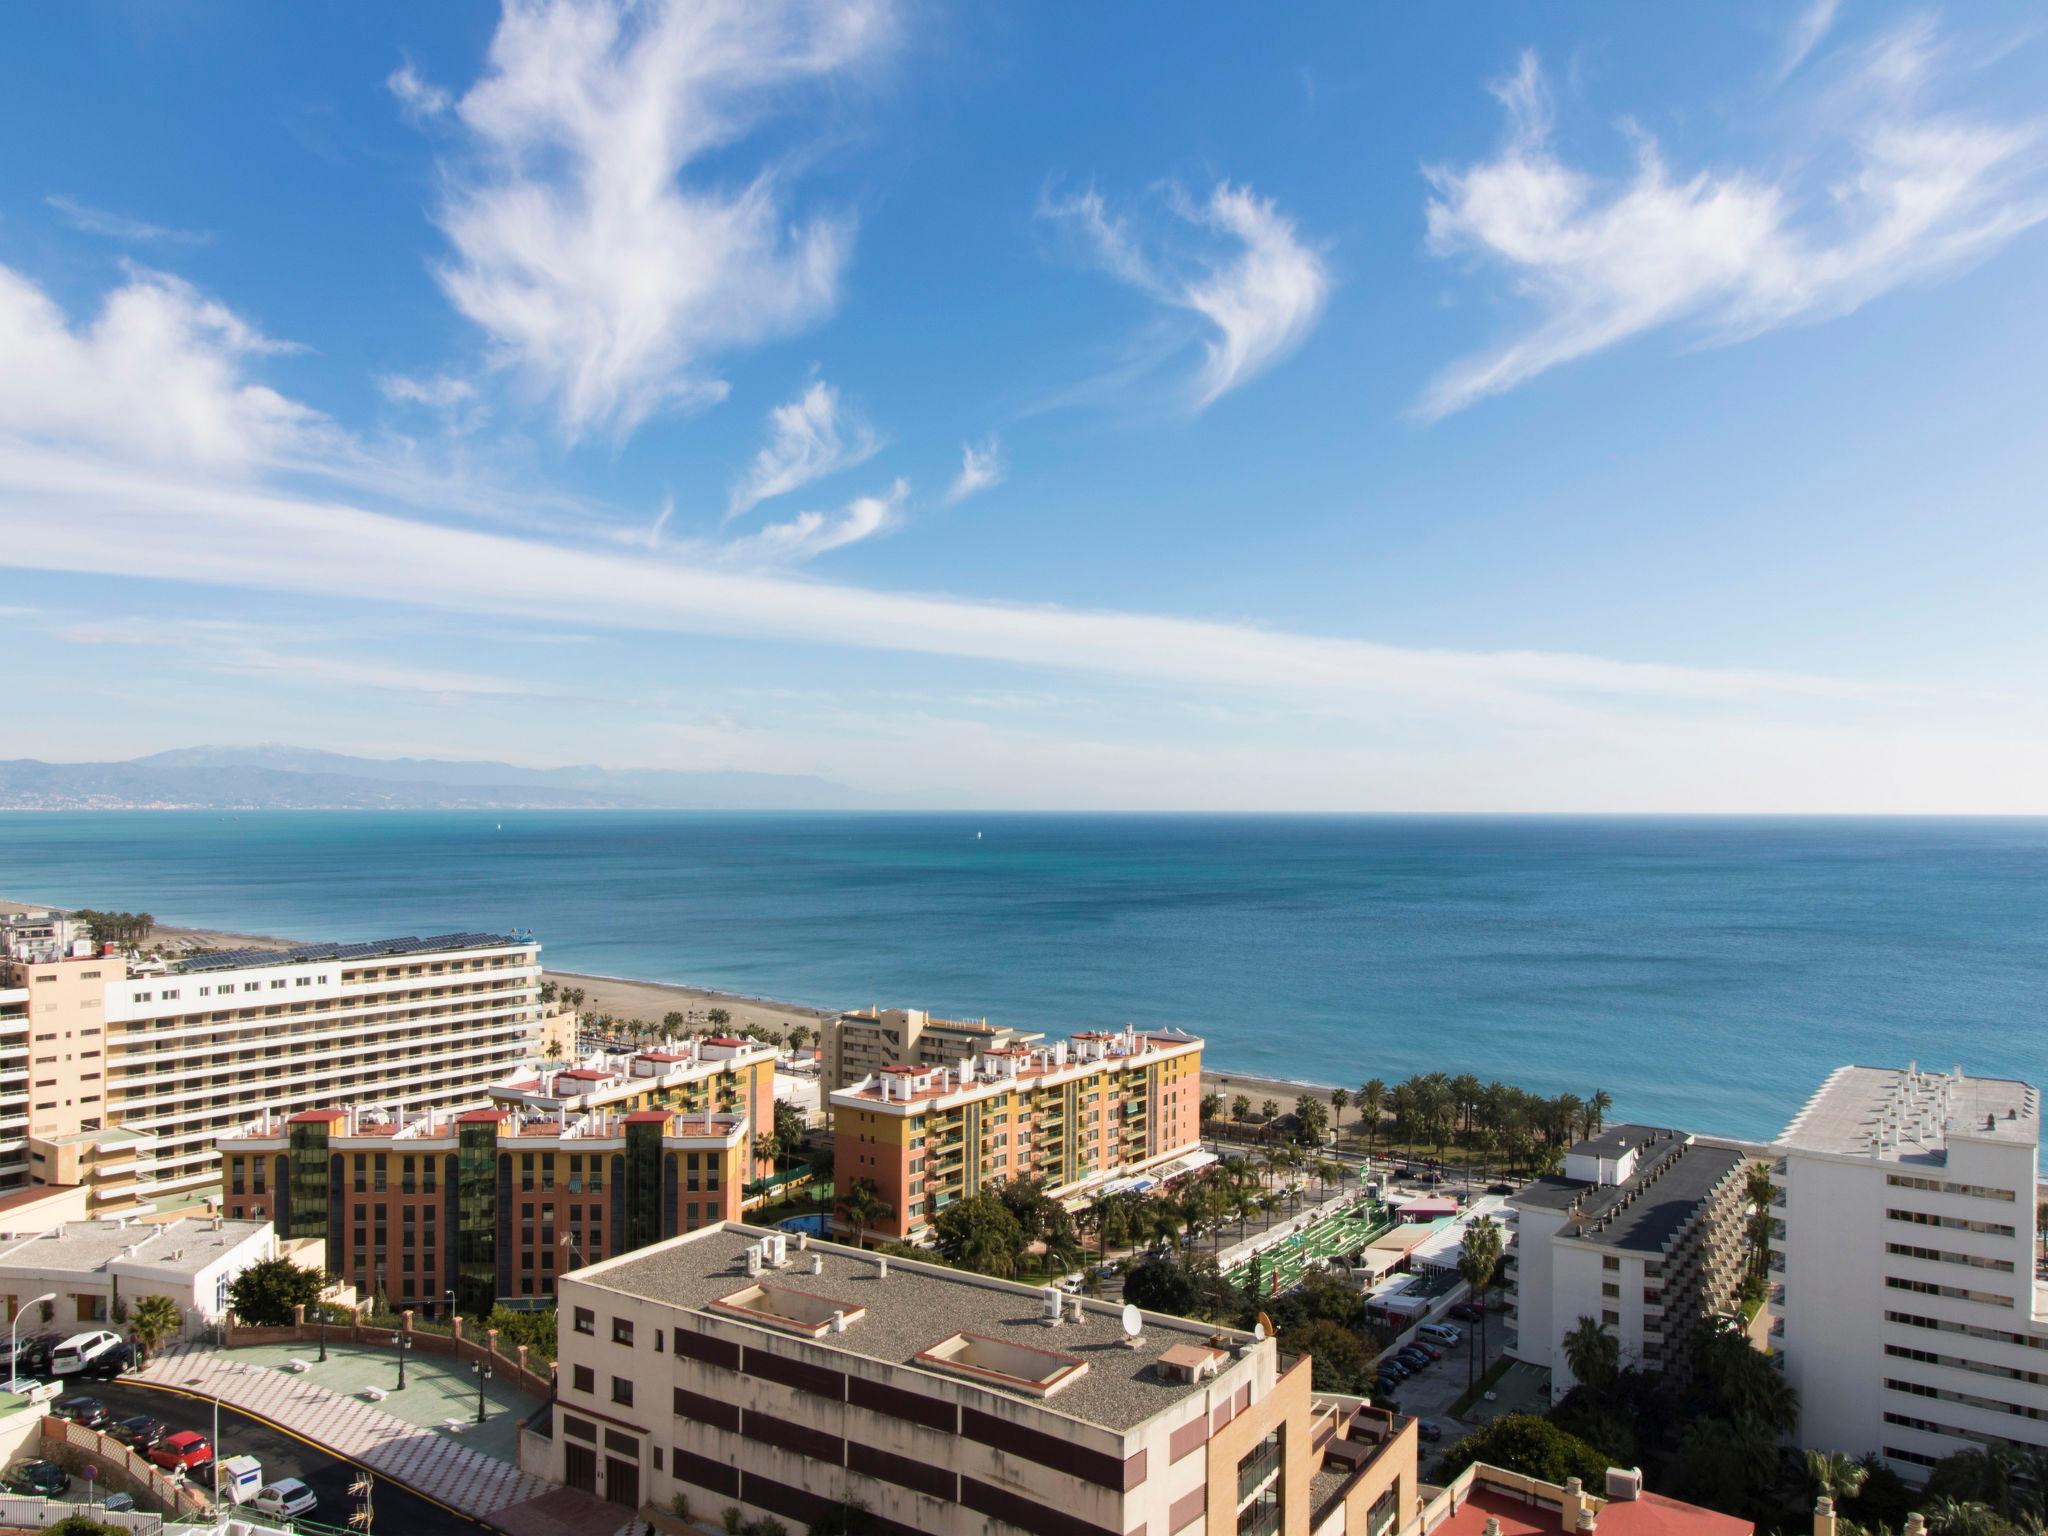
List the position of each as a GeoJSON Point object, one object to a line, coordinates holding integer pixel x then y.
{"type": "Point", "coordinates": [1190, 1362]}
{"type": "Point", "coordinates": [1624, 1482]}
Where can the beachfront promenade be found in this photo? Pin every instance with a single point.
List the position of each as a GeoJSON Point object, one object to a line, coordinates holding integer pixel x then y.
{"type": "Point", "coordinates": [425, 1437]}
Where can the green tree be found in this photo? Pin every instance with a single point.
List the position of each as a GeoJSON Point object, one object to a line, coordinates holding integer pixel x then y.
{"type": "Point", "coordinates": [862, 1205]}
{"type": "Point", "coordinates": [1311, 1120]}
{"type": "Point", "coordinates": [1241, 1108]}
{"type": "Point", "coordinates": [1340, 1361]}
{"type": "Point", "coordinates": [1340, 1099]}
{"type": "Point", "coordinates": [536, 1330]}
{"type": "Point", "coordinates": [1372, 1103]}
{"type": "Point", "coordinates": [154, 1319]}
{"type": "Point", "coordinates": [799, 1037]}
{"type": "Point", "coordinates": [1591, 1353]}
{"type": "Point", "coordinates": [1478, 1258]}
{"type": "Point", "coordinates": [718, 1018]}
{"type": "Point", "coordinates": [1835, 1475]}
{"type": "Point", "coordinates": [980, 1233]}
{"type": "Point", "coordinates": [1531, 1445]}
{"type": "Point", "coordinates": [264, 1294]}
{"type": "Point", "coordinates": [1269, 1111]}
{"type": "Point", "coordinates": [1212, 1105]}
{"type": "Point", "coordinates": [1597, 1107]}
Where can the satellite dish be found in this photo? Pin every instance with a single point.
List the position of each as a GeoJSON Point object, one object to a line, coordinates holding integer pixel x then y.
{"type": "Point", "coordinates": [1134, 1321]}
{"type": "Point", "coordinates": [1259, 1330]}
{"type": "Point", "coordinates": [1264, 1330]}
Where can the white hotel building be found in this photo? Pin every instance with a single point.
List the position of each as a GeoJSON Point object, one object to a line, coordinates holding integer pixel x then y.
{"type": "Point", "coordinates": [132, 1074]}
{"type": "Point", "coordinates": [1914, 1323]}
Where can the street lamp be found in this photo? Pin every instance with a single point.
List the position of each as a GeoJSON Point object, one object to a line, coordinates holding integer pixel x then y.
{"type": "Point", "coordinates": [403, 1343]}
{"type": "Point", "coordinates": [483, 1374]}
{"type": "Point", "coordinates": [451, 1306]}
{"type": "Point", "coordinates": [14, 1331]}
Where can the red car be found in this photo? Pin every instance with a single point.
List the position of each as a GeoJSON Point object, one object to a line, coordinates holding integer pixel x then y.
{"type": "Point", "coordinates": [1429, 1349]}
{"type": "Point", "coordinates": [187, 1449]}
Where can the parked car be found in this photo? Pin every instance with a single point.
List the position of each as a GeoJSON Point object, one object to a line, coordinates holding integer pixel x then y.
{"type": "Point", "coordinates": [1441, 1333]}
{"type": "Point", "coordinates": [43, 1477]}
{"type": "Point", "coordinates": [1429, 1351]}
{"type": "Point", "coordinates": [1415, 1361]}
{"type": "Point", "coordinates": [118, 1504]}
{"type": "Point", "coordinates": [89, 1411]}
{"type": "Point", "coordinates": [1429, 1431]}
{"type": "Point", "coordinates": [1500, 1189]}
{"type": "Point", "coordinates": [81, 1350]}
{"type": "Point", "coordinates": [140, 1432]}
{"type": "Point", "coordinates": [1385, 1385]}
{"type": "Point", "coordinates": [32, 1353]}
{"type": "Point", "coordinates": [112, 1363]}
{"type": "Point", "coordinates": [187, 1449]}
{"type": "Point", "coordinates": [288, 1496]}
{"type": "Point", "coordinates": [1464, 1311]}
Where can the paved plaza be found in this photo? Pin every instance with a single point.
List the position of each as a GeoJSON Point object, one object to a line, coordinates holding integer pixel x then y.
{"type": "Point", "coordinates": [425, 1437]}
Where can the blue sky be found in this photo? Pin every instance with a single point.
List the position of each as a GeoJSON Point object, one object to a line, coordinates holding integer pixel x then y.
{"type": "Point", "coordinates": [1530, 408]}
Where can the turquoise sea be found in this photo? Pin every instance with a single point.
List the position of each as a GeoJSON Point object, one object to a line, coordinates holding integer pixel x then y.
{"type": "Point", "coordinates": [1706, 972]}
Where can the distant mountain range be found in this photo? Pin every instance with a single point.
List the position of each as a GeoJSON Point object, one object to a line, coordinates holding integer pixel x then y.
{"type": "Point", "coordinates": [279, 778]}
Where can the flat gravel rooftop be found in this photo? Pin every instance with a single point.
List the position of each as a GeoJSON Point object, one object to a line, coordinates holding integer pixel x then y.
{"type": "Point", "coordinates": [919, 1305]}
{"type": "Point", "coordinates": [1914, 1112]}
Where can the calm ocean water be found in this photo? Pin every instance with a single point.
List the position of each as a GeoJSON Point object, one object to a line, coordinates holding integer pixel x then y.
{"type": "Point", "coordinates": [1706, 972]}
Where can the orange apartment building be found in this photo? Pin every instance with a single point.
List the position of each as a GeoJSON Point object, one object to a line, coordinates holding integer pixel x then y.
{"type": "Point", "coordinates": [1076, 1113]}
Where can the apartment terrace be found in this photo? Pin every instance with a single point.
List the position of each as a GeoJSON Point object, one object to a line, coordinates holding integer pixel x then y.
{"type": "Point", "coordinates": [605, 1077]}
{"type": "Point", "coordinates": [1907, 1116]}
{"type": "Point", "coordinates": [411, 1127]}
{"type": "Point", "coordinates": [1005, 1068]}
{"type": "Point", "coordinates": [1646, 1212]}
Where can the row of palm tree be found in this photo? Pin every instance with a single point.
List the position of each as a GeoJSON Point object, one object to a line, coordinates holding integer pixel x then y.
{"type": "Point", "coordinates": [1435, 1109]}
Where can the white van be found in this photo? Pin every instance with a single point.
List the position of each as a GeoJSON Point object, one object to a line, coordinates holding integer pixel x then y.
{"type": "Point", "coordinates": [241, 1479]}
{"type": "Point", "coordinates": [1441, 1333]}
{"type": "Point", "coordinates": [80, 1350]}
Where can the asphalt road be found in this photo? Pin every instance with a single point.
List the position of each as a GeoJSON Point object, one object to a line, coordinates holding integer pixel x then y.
{"type": "Point", "coordinates": [283, 1455]}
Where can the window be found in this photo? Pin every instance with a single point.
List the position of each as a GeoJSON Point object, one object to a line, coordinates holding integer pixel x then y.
{"type": "Point", "coordinates": [586, 1320]}
{"type": "Point", "coordinates": [622, 1391]}
{"type": "Point", "coordinates": [1609, 1288]}
{"type": "Point", "coordinates": [585, 1379]}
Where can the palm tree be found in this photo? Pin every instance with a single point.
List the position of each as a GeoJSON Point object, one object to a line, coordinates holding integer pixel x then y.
{"type": "Point", "coordinates": [1836, 1474]}
{"type": "Point", "coordinates": [1596, 1109]}
{"type": "Point", "coordinates": [1372, 1102]}
{"type": "Point", "coordinates": [154, 1319]}
{"type": "Point", "coordinates": [1478, 1261]}
{"type": "Point", "coordinates": [1591, 1353]}
{"type": "Point", "coordinates": [1162, 1220]}
{"type": "Point", "coordinates": [1241, 1108]}
{"type": "Point", "coordinates": [718, 1018]}
{"type": "Point", "coordinates": [863, 1206]}
{"type": "Point", "coordinates": [1340, 1099]}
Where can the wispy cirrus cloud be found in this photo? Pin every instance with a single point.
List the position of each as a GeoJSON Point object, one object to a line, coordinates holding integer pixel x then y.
{"type": "Point", "coordinates": [603, 271]}
{"type": "Point", "coordinates": [1234, 262]}
{"type": "Point", "coordinates": [120, 226]}
{"type": "Point", "coordinates": [1910, 193]}
{"type": "Point", "coordinates": [810, 534]}
{"type": "Point", "coordinates": [1807, 30]}
{"type": "Point", "coordinates": [418, 97]}
{"type": "Point", "coordinates": [981, 469]}
{"type": "Point", "coordinates": [809, 438]}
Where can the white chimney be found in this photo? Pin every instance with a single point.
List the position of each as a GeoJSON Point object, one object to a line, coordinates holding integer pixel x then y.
{"type": "Point", "coordinates": [882, 1266]}
{"type": "Point", "coordinates": [838, 1321]}
{"type": "Point", "coordinates": [753, 1258]}
{"type": "Point", "coordinates": [817, 1263]}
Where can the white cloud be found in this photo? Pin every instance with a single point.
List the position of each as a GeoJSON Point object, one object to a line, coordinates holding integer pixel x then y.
{"type": "Point", "coordinates": [119, 226]}
{"type": "Point", "coordinates": [810, 534]}
{"type": "Point", "coordinates": [1734, 253]}
{"type": "Point", "coordinates": [157, 374]}
{"type": "Point", "coordinates": [1259, 289]}
{"type": "Point", "coordinates": [175, 528]}
{"type": "Point", "coordinates": [603, 272]}
{"type": "Point", "coordinates": [805, 443]}
{"type": "Point", "coordinates": [1808, 29]}
{"type": "Point", "coordinates": [981, 469]}
{"type": "Point", "coordinates": [441, 392]}
{"type": "Point", "coordinates": [418, 97]}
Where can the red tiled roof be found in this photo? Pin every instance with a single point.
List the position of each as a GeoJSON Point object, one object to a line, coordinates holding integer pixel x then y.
{"type": "Point", "coordinates": [725, 1040]}
{"type": "Point", "coordinates": [482, 1117]}
{"type": "Point", "coordinates": [585, 1072]}
{"type": "Point", "coordinates": [315, 1116]}
{"type": "Point", "coordinates": [647, 1117]}
{"type": "Point", "coordinates": [1649, 1515]}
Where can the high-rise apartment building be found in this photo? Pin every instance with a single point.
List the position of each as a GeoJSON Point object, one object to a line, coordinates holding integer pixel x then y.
{"type": "Point", "coordinates": [860, 1043]}
{"type": "Point", "coordinates": [1912, 1315]}
{"type": "Point", "coordinates": [186, 1051]}
{"type": "Point", "coordinates": [1642, 1232]}
{"type": "Point", "coordinates": [1075, 1114]}
{"type": "Point", "coordinates": [742, 1368]}
{"type": "Point", "coordinates": [493, 1203]}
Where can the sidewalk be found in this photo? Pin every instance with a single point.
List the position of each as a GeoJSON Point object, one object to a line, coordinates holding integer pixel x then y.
{"type": "Point", "coordinates": [400, 1437]}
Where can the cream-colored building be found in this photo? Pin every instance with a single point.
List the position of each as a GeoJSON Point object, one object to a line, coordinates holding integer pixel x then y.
{"type": "Point", "coordinates": [189, 1050]}
{"type": "Point", "coordinates": [738, 1367]}
{"type": "Point", "coordinates": [98, 1270]}
{"type": "Point", "coordinates": [861, 1043]}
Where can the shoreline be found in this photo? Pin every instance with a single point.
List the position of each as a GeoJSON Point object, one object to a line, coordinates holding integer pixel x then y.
{"type": "Point", "coordinates": [629, 997]}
